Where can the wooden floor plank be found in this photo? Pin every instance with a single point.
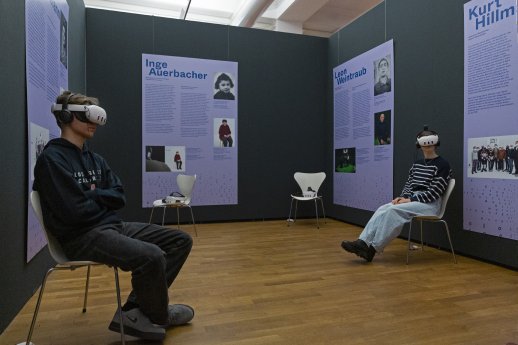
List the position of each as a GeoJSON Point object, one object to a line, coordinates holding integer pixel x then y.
{"type": "Point", "coordinates": [255, 283]}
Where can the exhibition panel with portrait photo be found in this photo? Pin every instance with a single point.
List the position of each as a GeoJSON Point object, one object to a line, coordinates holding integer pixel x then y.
{"type": "Point", "coordinates": [189, 126]}
{"type": "Point", "coordinates": [363, 127]}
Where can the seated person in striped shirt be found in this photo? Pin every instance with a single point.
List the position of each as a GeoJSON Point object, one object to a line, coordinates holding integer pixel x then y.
{"type": "Point", "coordinates": [427, 181]}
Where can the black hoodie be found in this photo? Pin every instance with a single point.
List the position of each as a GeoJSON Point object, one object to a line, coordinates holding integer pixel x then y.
{"type": "Point", "coordinates": [77, 188]}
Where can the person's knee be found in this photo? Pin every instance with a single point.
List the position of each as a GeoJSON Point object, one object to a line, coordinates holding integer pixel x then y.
{"type": "Point", "coordinates": [186, 242]}
{"type": "Point", "coordinates": [157, 256]}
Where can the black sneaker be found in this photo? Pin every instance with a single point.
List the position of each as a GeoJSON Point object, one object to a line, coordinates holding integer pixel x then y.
{"type": "Point", "coordinates": [367, 254]}
{"type": "Point", "coordinates": [360, 248]}
{"type": "Point", "coordinates": [355, 247]}
{"type": "Point", "coordinates": [350, 247]}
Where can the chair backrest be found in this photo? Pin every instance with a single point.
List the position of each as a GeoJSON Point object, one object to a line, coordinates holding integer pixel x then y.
{"type": "Point", "coordinates": [313, 180]}
{"type": "Point", "coordinates": [446, 196]}
{"type": "Point", "coordinates": [186, 185]}
{"type": "Point", "coordinates": [54, 247]}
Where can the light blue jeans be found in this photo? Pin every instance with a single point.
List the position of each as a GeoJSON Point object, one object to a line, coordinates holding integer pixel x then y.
{"type": "Point", "coordinates": [388, 220]}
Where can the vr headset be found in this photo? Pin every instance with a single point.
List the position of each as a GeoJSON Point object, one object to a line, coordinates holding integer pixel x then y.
{"type": "Point", "coordinates": [427, 140]}
{"type": "Point", "coordinates": [84, 113]}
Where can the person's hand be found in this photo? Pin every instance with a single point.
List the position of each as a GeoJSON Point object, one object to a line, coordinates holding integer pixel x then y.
{"type": "Point", "coordinates": [400, 200]}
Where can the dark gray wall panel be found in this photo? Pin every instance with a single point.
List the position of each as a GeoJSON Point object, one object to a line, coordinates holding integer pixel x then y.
{"type": "Point", "coordinates": [115, 45]}
{"type": "Point", "coordinates": [360, 36]}
{"type": "Point", "coordinates": [282, 116]}
{"type": "Point", "coordinates": [190, 39]}
{"type": "Point", "coordinates": [281, 81]}
{"type": "Point", "coordinates": [21, 279]}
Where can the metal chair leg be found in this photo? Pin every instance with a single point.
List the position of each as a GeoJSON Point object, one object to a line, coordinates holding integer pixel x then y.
{"type": "Point", "coordinates": [296, 205]}
{"type": "Point", "coordinates": [178, 218]}
{"type": "Point", "coordinates": [409, 237]}
{"type": "Point", "coordinates": [449, 240]}
{"type": "Point", "coordinates": [193, 223]}
{"type": "Point", "coordinates": [86, 288]}
{"type": "Point", "coordinates": [289, 217]}
{"type": "Point", "coordinates": [119, 304]}
{"type": "Point", "coordinates": [316, 213]}
{"type": "Point", "coordinates": [151, 216]}
{"type": "Point", "coordinates": [323, 211]}
{"type": "Point", "coordinates": [40, 295]}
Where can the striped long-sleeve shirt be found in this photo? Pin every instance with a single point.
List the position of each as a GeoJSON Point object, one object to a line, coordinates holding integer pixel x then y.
{"type": "Point", "coordinates": [427, 180]}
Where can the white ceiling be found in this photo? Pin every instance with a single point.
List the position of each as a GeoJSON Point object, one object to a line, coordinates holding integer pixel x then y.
{"type": "Point", "coordinates": [309, 17]}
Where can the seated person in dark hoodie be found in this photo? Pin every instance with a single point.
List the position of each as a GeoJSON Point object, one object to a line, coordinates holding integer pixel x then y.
{"type": "Point", "coordinates": [79, 197]}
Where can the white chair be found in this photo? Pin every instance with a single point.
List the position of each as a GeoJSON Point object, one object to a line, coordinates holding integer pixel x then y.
{"type": "Point", "coordinates": [433, 219]}
{"type": "Point", "coordinates": [185, 185]}
{"type": "Point", "coordinates": [64, 264]}
{"type": "Point", "coordinates": [309, 184]}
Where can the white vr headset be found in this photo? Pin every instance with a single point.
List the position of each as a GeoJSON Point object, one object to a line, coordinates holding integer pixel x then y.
{"type": "Point", "coordinates": [92, 113]}
{"type": "Point", "coordinates": [428, 140]}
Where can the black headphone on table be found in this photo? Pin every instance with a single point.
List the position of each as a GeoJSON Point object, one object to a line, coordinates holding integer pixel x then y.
{"type": "Point", "coordinates": [431, 138]}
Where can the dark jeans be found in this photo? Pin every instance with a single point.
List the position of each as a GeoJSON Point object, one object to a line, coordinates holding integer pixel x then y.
{"type": "Point", "coordinates": [154, 255]}
{"type": "Point", "coordinates": [227, 142]}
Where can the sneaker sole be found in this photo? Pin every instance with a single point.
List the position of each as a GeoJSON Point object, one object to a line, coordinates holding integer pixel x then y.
{"type": "Point", "coordinates": [351, 248]}
{"type": "Point", "coordinates": [128, 330]}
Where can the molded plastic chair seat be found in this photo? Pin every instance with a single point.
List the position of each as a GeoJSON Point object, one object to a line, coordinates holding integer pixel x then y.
{"type": "Point", "coordinates": [64, 264]}
{"type": "Point", "coordinates": [309, 184]}
{"type": "Point", "coordinates": [433, 219]}
{"type": "Point", "coordinates": [185, 185]}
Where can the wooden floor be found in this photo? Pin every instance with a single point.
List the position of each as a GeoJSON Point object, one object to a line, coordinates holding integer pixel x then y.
{"type": "Point", "coordinates": [264, 283]}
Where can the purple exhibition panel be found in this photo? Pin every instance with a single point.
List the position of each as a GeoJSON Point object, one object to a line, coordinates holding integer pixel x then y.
{"type": "Point", "coordinates": [189, 126]}
{"type": "Point", "coordinates": [46, 41]}
{"type": "Point", "coordinates": [491, 117]}
{"type": "Point", "coordinates": [363, 129]}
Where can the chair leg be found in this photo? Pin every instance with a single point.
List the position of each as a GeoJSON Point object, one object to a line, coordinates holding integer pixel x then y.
{"type": "Point", "coordinates": [323, 211]}
{"type": "Point", "coordinates": [178, 218]}
{"type": "Point", "coordinates": [316, 213]}
{"type": "Point", "coordinates": [409, 242]}
{"type": "Point", "coordinates": [289, 217]}
{"type": "Point", "coordinates": [151, 216]}
{"type": "Point", "coordinates": [449, 240]}
{"type": "Point", "coordinates": [40, 297]}
{"type": "Point", "coordinates": [86, 288]}
{"type": "Point", "coordinates": [37, 309]}
{"type": "Point", "coordinates": [119, 304]}
{"type": "Point", "coordinates": [193, 223]}
{"type": "Point", "coordinates": [296, 205]}
{"type": "Point", "coordinates": [163, 216]}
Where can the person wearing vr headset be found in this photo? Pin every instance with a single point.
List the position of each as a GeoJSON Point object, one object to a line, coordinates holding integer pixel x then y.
{"type": "Point", "coordinates": [427, 181]}
{"type": "Point", "coordinates": [80, 195]}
